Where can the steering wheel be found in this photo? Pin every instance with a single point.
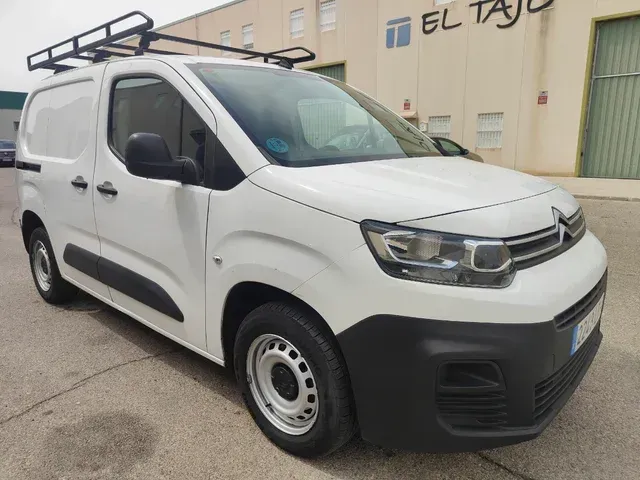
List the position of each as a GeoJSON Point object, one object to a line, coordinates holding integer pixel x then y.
{"type": "Point", "coordinates": [330, 148]}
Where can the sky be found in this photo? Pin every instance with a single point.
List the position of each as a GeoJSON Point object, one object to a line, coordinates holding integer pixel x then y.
{"type": "Point", "coordinates": [27, 26]}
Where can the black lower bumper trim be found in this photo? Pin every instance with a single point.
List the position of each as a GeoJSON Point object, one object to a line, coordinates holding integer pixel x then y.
{"type": "Point", "coordinates": [394, 363]}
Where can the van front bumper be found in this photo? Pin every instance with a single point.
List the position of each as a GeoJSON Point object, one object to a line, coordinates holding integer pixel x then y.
{"type": "Point", "coordinates": [440, 386]}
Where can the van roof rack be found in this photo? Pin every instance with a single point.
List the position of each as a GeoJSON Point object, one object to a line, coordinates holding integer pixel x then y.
{"type": "Point", "coordinates": [85, 46]}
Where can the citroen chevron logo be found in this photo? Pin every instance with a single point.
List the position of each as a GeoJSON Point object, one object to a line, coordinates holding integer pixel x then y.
{"type": "Point", "coordinates": [563, 224]}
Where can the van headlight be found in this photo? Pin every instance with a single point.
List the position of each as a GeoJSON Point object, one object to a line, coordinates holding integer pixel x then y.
{"type": "Point", "coordinates": [436, 257]}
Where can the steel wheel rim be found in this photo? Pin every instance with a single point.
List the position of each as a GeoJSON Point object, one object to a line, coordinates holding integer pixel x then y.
{"type": "Point", "coordinates": [268, 356]}
{"type": "Point", "coordinates": [42, 266]}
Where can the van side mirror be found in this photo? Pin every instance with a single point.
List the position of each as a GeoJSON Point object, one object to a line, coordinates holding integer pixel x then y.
{"type": "Point", "coordinates": [147, 155]}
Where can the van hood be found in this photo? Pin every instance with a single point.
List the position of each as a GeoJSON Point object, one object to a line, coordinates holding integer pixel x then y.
{"type": "Point", "coordinates": [400, 190]}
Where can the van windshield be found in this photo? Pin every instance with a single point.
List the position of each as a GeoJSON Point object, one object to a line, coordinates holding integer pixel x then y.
{"type": "Point", "coordinates": [301, 120]}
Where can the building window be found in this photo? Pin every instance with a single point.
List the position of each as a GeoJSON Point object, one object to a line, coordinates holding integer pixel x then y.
{"type": "Point", "coordinates": [327, 15]}
{"type": "Point", "coordinates": [490, 130]}
{"type": "Point", "coordinates": [399, 32]}
{"type": "Point", "coordinates": [247, 36]}
{"type": "Point", "coordinates": [16, 125]}
{"type": "Point", "coordinates": [296, 23]}
{"type": "Point", "coordinates": [440, 126]}
{"type": "Point", "coordinates": [225, 41]}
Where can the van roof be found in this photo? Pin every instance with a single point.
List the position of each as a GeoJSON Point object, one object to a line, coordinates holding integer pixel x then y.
{"type": "Point", "coordinates": [171, 59]}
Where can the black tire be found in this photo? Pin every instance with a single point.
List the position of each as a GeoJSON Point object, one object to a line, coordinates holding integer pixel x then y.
{"type": "Point", "coordinates": [60, 291]}
{"type": "Point", "coordinates": [336, 420]}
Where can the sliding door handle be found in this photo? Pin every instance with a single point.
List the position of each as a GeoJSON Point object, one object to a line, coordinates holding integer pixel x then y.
{"type": "Point", "coordinates": [106, 188]}
{"type": "Point", "coordinates": [79, 183]}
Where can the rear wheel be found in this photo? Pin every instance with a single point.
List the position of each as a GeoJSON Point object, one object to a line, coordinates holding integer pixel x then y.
{"type": "Point", "coordinates": [50, 284]}
{"type": "Point", "coordinates": [294, 380]}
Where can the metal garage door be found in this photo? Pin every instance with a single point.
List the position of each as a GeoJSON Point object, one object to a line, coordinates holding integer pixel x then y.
{"type": "Point", "coordinates": [333, 71]}
{"type": "Point", "coordinates": [612, 146]}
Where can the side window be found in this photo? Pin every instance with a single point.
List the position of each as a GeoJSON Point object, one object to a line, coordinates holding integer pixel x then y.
{"type": "Point", "coordinates": [450, 147]}
{"type": "Point", "coordinates": [151, 105]}
{"type": "Point", "coordinates": [193, 136]}
{"type": "Point", "coordinates": [145, 105]}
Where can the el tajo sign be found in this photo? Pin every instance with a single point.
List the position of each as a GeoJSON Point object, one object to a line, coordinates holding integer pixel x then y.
{"type": "Point", "coordinates": [399, 29]}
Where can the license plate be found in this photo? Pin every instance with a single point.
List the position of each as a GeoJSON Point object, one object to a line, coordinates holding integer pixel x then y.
{"type": "Point", "coordinates": [582, 331]}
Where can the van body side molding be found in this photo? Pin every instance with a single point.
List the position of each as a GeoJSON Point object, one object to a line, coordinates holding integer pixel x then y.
{"type": "Point", "coordinates": [81, 259]}
{"type": "Point", "coordinates": [122, 279]}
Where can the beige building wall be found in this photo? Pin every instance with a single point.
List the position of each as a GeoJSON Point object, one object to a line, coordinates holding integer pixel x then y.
{"type": "Point", "coordinates": [462, 72]}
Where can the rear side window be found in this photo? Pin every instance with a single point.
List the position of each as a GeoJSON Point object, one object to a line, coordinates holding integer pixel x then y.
{"type": "Point", "coordinates": [57, 121]}
{"type": "Point", "coordinates": [36, 123]}
{"type": "Point", "coordinates": [151, 105]}
{"type": "Point", "coordinates": [70, 119]}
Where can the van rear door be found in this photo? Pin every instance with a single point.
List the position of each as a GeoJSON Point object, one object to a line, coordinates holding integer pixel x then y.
{"type": "Point", "coordinates": [67, 173]}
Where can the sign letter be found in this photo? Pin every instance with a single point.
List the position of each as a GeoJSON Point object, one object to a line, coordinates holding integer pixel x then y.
{"type": "Point", "coordinates": [531, 9]}
{"type": "Point", "coordinates": [515, 18]}
{"type": "Point", "coordinates": [426, 22]}
{"type": "Point", "coordinates": [444, 21]}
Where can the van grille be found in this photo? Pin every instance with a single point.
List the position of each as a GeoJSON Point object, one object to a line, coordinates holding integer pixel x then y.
{"type": "Point", "coordinates": [579, 310]}
{"type": "Point", "coordinates": [538, 247]}
{"type": "Point", "coordinates": [473, 410]}
{"type": "Point", "coordinates": [551, 389]}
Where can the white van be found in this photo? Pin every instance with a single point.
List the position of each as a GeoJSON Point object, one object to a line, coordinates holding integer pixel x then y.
{"type": "Point", "coordinates": [292, 228]}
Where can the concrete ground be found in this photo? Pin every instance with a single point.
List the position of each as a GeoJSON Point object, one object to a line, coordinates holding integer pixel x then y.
{"type": "Point", "coordinates": [600, 188]}
{"type": "Point", "coordinates": [86, 392]}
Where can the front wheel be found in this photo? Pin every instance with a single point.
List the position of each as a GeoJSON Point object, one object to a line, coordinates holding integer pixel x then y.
{"type": "Point", "coordinates": [294, 381]}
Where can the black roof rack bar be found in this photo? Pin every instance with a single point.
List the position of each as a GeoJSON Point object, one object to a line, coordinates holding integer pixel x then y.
{"type": "Point", "coordinates": [101, 54]}
{"type": "Point", "coordinates": [131, 48]}
{"type": "Point", "coordinates": [153, 36]}
{"type": "Point", "coordinates": [58, 67]}
{"type": "Point", "coordinates": [76, 49]}
{"type": "Point", "coordinates": [107, 46]}
{"type": "Point", "coordinates": [307, 58]}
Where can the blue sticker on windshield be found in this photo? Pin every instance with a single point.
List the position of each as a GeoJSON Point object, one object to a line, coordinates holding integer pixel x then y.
{"type": "Point", "coordinates": [277, 145]}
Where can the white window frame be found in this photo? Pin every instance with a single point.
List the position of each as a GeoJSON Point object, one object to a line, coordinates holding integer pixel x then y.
{"type": "Point", "coordinates": [439, 126]}
{"type": "Point", "coordinates": [296, 23]}
{"type": "Point", "coordinates": [225, 40]}
{"type": "Point", "coordinates": [328, 11]}
{"type": "Point", "coordinates": [247, 35]}
{"type": "Point", "coordinates": [490, 130]}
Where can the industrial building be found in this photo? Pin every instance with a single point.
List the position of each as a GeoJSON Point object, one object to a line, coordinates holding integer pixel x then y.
{"type": "Point", "coordinates": [11, 104]}
{"type": "Point", "coordinates": [550, 87]}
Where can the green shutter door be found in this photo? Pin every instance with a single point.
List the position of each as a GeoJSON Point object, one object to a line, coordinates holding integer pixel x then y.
{"type": "Point", "coordinates": [612, 146]}
{"type": "Point", "coordinates": [333, 71]}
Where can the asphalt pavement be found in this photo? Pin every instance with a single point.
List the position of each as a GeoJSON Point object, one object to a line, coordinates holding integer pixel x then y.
{"type": "Point", "coordinates": [86, 392]}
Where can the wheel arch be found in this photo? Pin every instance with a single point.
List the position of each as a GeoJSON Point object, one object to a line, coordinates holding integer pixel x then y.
{"type": "Point", "coordinates": [29, 222]}
{"type": "Point", "coordinates": [245, 297]}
